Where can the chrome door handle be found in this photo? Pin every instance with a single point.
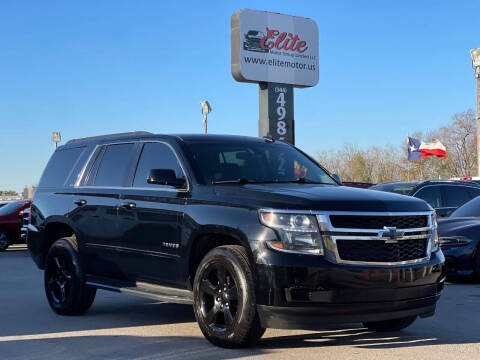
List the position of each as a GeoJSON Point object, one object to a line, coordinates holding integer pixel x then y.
{"type": "Point", "coordinates": [128, 205]}
{"type": "Point", "coordinates": [80, 202]}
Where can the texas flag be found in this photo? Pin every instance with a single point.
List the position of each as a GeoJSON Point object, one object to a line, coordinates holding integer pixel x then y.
{"type": "Point", "coordinates": [420, 150]}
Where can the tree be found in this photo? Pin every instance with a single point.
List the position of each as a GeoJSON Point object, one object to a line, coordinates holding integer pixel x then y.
{"type": "Point", "coordinates": [389, 163]}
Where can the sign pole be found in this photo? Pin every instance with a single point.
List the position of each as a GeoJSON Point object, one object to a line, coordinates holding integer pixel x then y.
{"type": "Point", "coordinates": [276, 112]}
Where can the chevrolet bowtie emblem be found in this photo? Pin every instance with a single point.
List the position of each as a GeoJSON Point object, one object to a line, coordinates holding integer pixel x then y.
{"type": "Point", "coordinates": [391, 234]}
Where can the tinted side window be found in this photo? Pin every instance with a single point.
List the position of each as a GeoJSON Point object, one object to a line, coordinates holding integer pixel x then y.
{"type": "Point", "coordinates": [155, 156]}
{"type": "Point", "coordinates": [456, 195]}
{"type": "Point", "coordinates": [59, 166]}
{"type": "Point", "coordinates": [114, 165]}
{"type": "Point", "coordinates": [432, 195]}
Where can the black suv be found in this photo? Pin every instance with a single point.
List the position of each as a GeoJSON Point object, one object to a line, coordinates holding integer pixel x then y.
{"type": "Point", "coordinates": [252, 232]}
{"type": "Point", "coordinates": [444, 196]}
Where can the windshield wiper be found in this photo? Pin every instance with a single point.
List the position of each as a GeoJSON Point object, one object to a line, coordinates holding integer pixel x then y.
{"type": "Point", "coordinates": [243, 181]}
{"type": "Point", "coordinates": [306, 181]}
{"type": "Point", "coordinates": [240, 181]}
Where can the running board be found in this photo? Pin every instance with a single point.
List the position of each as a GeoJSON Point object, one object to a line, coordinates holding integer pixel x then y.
{"type": "Point", "coordinates": [146, 290]}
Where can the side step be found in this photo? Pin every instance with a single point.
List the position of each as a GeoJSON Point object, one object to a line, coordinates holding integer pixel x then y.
{"type": "Point", "coordinates": [143, 289]}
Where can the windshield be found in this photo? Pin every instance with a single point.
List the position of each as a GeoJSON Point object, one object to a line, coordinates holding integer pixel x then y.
{"type": "Point", "coordinates": [252, 161]}
{"type": "Point", "coordinates": [10, 208]}
{"type": "Point", "coordinates": [398, 188]}
{"type": "Point", "coordinates": [469, 209]}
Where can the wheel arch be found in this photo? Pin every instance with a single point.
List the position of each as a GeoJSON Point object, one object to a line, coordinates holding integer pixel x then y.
{"type": "Point", "coordinates": [208, 238]}
{"type": "Point", "coordinates": [55, 228]}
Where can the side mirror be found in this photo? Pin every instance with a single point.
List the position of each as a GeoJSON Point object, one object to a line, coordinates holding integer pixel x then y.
{"type": "Point", "coordinates": [337, 177]}
{"type": "Point", "coordinates": [165, 177]}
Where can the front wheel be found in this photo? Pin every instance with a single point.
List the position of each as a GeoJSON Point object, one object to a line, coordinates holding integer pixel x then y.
{"type": "Point", "coordinates": [224, 298]}
{"type": "Point", "coordinates": [476, 265]}
{"type": "Point", "coordinates": [390, 325]}
{"type": "Point", "coordinates": [65, 286]}
{"type": "Point", "coordinates": [4, 240]}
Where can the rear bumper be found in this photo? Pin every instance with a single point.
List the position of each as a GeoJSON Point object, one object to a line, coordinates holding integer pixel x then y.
{"type": "Point", "coordinates": [311, 318]}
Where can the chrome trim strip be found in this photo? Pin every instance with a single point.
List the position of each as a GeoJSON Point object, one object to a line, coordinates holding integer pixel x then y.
{"type": "Point", "coordinates": [360, 213]}
{"type": "Point", "coordinates": [149, 295]}
{"type": "Point", "coordinates": [131, 250]}
{"type": "Point", "coordinates": [162, 187]}
{"type": "Point", "coordinates": [80, 176]}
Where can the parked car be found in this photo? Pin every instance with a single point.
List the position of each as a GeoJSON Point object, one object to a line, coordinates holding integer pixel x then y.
{"type": "Point", "coordinates": [252, 232]}
{"type": "Point", "coordinates": [361, 185]}
{"type": "Point", "coordinates": [475, 179]}
{"type": "Point", "coordinates": [443, 195]}
{"type": "Point", "coordinates": [11, 223]}
{"type": "Point", "coordinates": [252, 40]}
{"type": "Point", "coordinates": [25, 223]}
{"type": "Point", "coordinates": [460, 239]}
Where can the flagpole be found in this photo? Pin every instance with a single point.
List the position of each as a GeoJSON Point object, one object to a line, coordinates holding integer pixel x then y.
{"type": "Point", "coordinates": [408, 161]}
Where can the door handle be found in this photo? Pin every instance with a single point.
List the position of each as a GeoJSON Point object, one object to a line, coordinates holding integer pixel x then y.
{"type": "Point", "coordinates": [80, 202]}
{"type": "Point", "coordinates": [128, 205]}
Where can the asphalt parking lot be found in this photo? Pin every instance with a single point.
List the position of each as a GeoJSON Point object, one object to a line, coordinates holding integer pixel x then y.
{"type": "Point", "coordinates": [123, 327]}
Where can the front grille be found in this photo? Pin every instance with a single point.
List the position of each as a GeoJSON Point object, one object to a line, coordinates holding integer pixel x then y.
{"type": "Point", "coordinates": [379, 251]}
{"type": "Point", "coordinates": [378, 222]}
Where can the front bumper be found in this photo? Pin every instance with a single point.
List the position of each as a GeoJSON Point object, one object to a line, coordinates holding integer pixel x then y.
{"type": "Point", "coordinates": [310, 318]}
{"type": "Point", "coordinates": [303, 292]}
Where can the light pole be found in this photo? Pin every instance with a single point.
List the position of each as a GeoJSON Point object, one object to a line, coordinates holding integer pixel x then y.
{"type": "Point", "coordinates": [56, 138]}
{"type": "Point", "coordinates": [476, 65]}
{"type": "Point", "coordinates": [206, 109]}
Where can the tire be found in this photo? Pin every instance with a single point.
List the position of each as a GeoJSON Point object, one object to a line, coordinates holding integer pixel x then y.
{"type": "Point", "coordinates": [224, 298]}
{"type": "Point", "coordinates": [390, 325]}
{"type": "Point", "coordinates": [4, 240]}
{"type": "Point", "coordinates": [476, 265]}
{"type": "Point", "coordinates": [65, 286]}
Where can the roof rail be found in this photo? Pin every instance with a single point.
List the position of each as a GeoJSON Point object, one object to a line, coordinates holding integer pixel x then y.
{"type": "Point", "coordinates": [109, 136]}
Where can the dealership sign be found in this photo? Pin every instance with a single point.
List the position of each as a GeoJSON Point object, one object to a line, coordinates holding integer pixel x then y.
{"type": "Point", "coordinates": [271, 47]}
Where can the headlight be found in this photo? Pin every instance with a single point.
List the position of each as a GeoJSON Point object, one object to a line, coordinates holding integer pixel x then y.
{"type": "Point", "coordinates": [454, 241]}
{"type": "Point", "coordinates": [298, 233]}
{"type": "Point", "coordinates": [435, 241]}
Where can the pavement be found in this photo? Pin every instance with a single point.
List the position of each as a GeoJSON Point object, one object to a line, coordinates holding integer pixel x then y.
{"type": "Point", "coordinates": [123, 327]}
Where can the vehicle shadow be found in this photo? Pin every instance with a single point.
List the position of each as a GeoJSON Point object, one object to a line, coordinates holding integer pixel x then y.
{"type": "Point", "coordinates": [147, 346]}
{"type": "Point", "coordinates": [457, 280]}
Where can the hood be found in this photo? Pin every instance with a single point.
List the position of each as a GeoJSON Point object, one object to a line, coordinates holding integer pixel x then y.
{"type": "Point", "coordinates": [317, 197]}
{"type": "Point", "coordinates": [457, 226]}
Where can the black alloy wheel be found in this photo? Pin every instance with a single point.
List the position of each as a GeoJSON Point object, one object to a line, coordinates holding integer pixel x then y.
{"type": "Point", "coordinates": [219, 298]}
{"type": "Point", "coordinates": [4, 240]}
{"type": "Point", "coordinates": [476, 264]}
{"type": "Point", "coordinates": [65, 285]}
{"type": "Point", "coordinates": [224, 298]}
{"type": "Point", "coordinates": [59, 279]}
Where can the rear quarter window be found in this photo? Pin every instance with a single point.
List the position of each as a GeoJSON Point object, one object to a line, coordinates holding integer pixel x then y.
{"type": "Point", "coordinates": [59, 166]}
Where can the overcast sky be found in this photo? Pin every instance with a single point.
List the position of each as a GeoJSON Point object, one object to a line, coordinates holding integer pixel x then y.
{"type": "Point", "coordinates": [93, 67]}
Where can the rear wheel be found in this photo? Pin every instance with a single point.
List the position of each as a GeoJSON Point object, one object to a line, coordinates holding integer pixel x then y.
{"type": "Point", "coordinates": [224, 298]}
{"type": "Point", "coordinates": [4, 240]}
{"type": "Point", "coordinates": [65, 286]}
{"type": "Point", "coordinates": [390, 325]}
{"type": "Point", "coordinates": [476, 265]}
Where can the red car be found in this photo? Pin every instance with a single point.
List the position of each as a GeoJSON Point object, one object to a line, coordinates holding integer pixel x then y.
{"type": "Point", "coordinates": [11, 218]}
